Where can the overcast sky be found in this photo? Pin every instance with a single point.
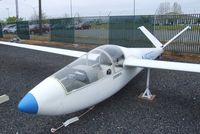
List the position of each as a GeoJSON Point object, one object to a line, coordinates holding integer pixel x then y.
{"type": "Point", "coordinates": [58, 8]}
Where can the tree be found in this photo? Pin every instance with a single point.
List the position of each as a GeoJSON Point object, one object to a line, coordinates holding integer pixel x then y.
{"type": "Point", "coordinates": [176, 8]}
{"type": "Point", "coordinates": [35, 17]}
{"type": "Point", "coordinates": [2, 22]}
{"type": "Point", "coordinates": [66, 15]}
{"type": "Point", "coordinates": [13, 19]}
{"type": "Point", "coordinates": [163, 8]}
{"type": "Point", "coordinates": [77, 18]}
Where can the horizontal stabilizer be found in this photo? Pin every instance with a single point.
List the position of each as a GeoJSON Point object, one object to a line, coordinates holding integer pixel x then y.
{"type": "Point", "coordinates": [65, 52]}
{"type": "Point", "coordinates": [187, 67]}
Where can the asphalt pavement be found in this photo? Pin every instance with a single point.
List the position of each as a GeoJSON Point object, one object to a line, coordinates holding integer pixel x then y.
{"type": "Point", "coordinates": [176, 109]}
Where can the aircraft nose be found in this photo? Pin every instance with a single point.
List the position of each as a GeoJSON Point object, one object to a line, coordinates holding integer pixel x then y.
{"type": "Point", "coordinates": [28, 104]}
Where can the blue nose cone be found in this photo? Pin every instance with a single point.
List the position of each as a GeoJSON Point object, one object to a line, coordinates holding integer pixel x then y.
{"type": "Point", "coordinates": [28, 104]}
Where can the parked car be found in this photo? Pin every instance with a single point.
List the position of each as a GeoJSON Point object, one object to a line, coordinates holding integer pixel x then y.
{"type": "Point", "coordinates": [35, 29]}
{"type": "Point", "coordinates": [57, 27]}
{"type": "Point", "coordinates": [62, 27]}
{"type": "Point", "coordinates": [10, 28]}
{"type": "Point", "coordinates": [13, 29]}
{"type": "Point", "coordinates": [83, 25]}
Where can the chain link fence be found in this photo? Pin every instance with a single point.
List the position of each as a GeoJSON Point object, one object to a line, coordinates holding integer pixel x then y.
{"type": "Point", "coordinates": [166, 26]}
{"type": "Point", "coordinates": [91, 30]}
{"type": "Point", "coordinates": [119, 30]}
{"type": "Point", "coordinates": [9, 30]}
{"type": "Point", "coordinates": [34, 30]}
{"type": "Point", "coordinates": [62, 30]}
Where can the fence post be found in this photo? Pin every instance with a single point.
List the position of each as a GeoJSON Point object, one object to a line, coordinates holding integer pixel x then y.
{"type": "Point", "coordinates": [1, 31]}
{"type": "Point", "coordinates": [23, 30]}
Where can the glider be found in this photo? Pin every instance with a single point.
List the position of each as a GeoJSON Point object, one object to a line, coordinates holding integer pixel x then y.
{"type": "Point", "coordinates": [94, 76]}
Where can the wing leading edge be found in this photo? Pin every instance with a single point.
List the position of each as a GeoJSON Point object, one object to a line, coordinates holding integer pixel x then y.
{"type": "Point", "coordinates": [178, 66]}
{"type": "Point", "coordinates": [60, 51]}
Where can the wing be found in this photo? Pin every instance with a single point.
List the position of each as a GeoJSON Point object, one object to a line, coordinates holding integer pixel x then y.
{"type": "Point", "coordinates": [60, 51]}
{"type": "Point", "coordinates": [188, 67]}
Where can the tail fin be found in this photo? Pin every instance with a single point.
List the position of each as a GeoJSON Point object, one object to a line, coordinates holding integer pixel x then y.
{"type": "Point", "coordinates": [152, 38]}
{"type": "Point", "coordinates": [156, 42]}
{"type": "Point", "coordinates": [176, 36]}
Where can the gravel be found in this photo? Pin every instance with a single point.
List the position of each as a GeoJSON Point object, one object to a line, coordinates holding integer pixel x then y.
{"type": "Point", "coordinates": [176, 108]}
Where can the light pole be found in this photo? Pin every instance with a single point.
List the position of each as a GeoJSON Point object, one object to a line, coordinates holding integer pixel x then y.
{"type": "Point", "coordinates": [154, 25]}
{"type": "Point", "coordinates": [17, 10]}
{"type": "Point", "coordinates": [34, 10]}
{"type": "Point", "coordinates": [71, 7]}
{"type": "Point", "coordinates": [134, 18]}
{"type": "Point", "coordinates": [40, 17]}
{"type": "Point", "coordinates": [134, 7]}
{"type": "Point", "coordinates": [8, 12]}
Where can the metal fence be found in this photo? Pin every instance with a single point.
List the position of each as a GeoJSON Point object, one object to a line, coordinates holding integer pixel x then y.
{"type": "Point", "coordinates": [119, 30]}
{"type": "Point", "coordinates": [9, 30]}
{"type": "Point", "coordinates": [123, 30]}
{"type": "Point", "coordinates": [166, 26]}
{"type": "Point", "coordinates": [62, 30]}
{"type": "Point", "coordinates": [1, 31]}
{"type": "Point", "coordinates": [34, 30]}
{"type": "Point", "coordinates": [22, 30]}
{"type": "Point", "coordinates": [91, 30]}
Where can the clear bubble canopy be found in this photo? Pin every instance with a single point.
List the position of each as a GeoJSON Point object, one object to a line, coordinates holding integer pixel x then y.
{"type": "Point", "coordinates": [91, 67]}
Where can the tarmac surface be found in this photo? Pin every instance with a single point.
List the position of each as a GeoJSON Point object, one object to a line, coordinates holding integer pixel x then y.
{"type": "Point", "coordinates": [176, 109]}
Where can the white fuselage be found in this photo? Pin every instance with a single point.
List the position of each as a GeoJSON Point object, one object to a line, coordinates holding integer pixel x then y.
{"type": "Point", "coordinates": [53, 99]}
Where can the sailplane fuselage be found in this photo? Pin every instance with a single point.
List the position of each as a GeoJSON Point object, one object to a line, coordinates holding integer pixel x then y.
{"type": "Point", "coordinates": [87, 81]}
